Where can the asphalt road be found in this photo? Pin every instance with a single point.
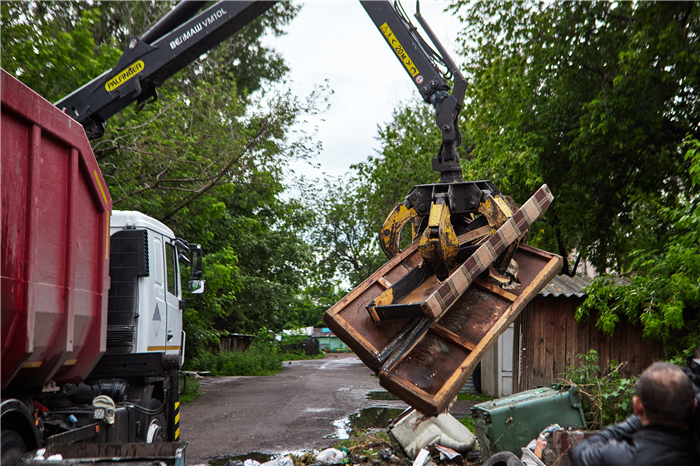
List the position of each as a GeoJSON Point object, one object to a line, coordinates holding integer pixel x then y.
{"type": "Point", "coordinates": [290, 411]}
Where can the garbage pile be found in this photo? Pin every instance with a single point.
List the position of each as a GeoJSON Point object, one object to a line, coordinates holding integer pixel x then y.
{"type": "Point", "coordinates": [508, 432]}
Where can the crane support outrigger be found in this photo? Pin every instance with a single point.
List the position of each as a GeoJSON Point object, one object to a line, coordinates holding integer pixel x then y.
{"type": "Point", "coordinates": [438, 212]}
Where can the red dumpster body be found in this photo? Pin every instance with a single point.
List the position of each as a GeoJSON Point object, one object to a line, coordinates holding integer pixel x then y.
{"type": "Point", "coordinates": [55, 238]}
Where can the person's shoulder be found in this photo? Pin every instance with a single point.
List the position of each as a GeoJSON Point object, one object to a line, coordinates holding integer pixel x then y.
{"type": "Point", "coordinates": [659, 445]}
{"type": "Point", "coordinates": [602, 451]}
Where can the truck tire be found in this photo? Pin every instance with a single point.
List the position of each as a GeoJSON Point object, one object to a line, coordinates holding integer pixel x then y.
{"type": "Point", "coordinates": [504, 458]}
{"type": "Point", "coordinates": [156, 431]}
{"type": "Point", "coordinates": [12, 446]}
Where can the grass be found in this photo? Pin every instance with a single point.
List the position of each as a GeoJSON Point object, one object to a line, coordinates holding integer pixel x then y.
{"type": "Point", "coordinates": [467, 420]}
{"type": "Point", "coordinates": [258, 359]}
{"type": "Point", "coordinates": [366, 444]}
{"type": "Point", "coordinates": [191, 390]}
{"type": "Point", "coordinates": [474, 397]}
{"type": "Point", "coordinates": [298, 355]}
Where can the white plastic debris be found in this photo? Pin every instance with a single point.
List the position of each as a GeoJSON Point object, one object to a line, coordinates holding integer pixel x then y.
{"type": "Point", "coordinates": [421, 457]}
{"type": "Point", "coordinates": [283, 461]}
{"type": "Point", "coordinates": [330, 456]}
{"type": "Point", "coordinates": [56, 457]}
{"type": "Point", "coordinates": [250, 462]}
{"type": "Point", "coordinates": [528, 458]}
{"type": "Point", "coordinates": [414, 431]}
{"type": "Point", "coordinates": [39, 455]}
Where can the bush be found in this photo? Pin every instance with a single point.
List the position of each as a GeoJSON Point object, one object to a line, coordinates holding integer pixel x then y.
{"type": "Point", "coordinates": [262, 357]}
{"type": "Point", "coordinates": [606, 397]}
{"type": "Point", "coordinates": [191, 389]}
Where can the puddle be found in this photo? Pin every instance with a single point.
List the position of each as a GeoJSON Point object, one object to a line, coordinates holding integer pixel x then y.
{"type": "Point", "coordinates": [257, 456]}
{"type": "Point", "coordinates": [381, 395]}
{"type": "Point", "coordinates": [368, 418]}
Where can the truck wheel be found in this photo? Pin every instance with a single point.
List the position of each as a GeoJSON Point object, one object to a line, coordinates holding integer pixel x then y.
{"type": "Point", "coordinates": [504, 458]}
{"type": "Point", "coordinates": [156, 424]}
{"type": "Point", "coordinates": [12, 446]}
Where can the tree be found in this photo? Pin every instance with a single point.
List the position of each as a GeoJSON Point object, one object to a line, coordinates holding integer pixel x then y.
{"type": "Point", "coordinates": [664, 293]}
{"type": "Point", "coordinates": [592, 98]}
{"type": "Point", "coordinates": [51, 46]}
{"type": "Point", "coordinates": [344, 236]}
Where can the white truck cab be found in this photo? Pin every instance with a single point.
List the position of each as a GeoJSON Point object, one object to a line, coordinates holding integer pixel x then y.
{"type": "Point", "coordinates": [146, 297]}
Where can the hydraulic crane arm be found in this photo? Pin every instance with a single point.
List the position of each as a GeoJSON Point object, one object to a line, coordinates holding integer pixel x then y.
{"type": "Point", "coordinates": [172, 44]}
{"type": "Point", "coordinates": [419, 61]}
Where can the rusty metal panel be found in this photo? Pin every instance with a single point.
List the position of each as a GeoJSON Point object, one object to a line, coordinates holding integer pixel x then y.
{"type": "Point", "coordinates": [431, 375]}
{"type": "Point", "coordinates": [427, 358]}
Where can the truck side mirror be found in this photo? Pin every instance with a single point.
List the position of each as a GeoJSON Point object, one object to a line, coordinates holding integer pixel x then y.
{"type": "Point", "coordinates": [195, 261]}
{"type": "Point", "coordinates": [196, 283]}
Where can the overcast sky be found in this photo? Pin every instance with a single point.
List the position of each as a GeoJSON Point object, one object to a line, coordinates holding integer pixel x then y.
{"type": "Point", "coordinates": [337, 41]}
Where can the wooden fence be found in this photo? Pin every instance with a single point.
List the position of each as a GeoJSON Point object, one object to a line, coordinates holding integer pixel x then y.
{"type": "Point", "coordinates": [548, 339]}
{"type": "Point", "coordinates": [233, 342]}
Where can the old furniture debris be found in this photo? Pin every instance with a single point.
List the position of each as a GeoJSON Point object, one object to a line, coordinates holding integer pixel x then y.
{"type": "Point", "coordinates": [424, 336]}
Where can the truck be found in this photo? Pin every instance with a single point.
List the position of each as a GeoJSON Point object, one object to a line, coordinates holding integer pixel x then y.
{"type": "Point", "coordinates": [92, 298]}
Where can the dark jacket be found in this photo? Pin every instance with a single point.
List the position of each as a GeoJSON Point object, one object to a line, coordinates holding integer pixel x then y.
{"type": "Point", "coordinates": [629, 443]}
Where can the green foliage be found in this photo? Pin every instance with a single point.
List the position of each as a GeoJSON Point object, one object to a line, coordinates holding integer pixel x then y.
{"type": "Point", "coordinates": [262, 357]}
{"type": "Point", "coordinates": [468, 422]}
{"type": "Point", "coordinates": [313, 301]}
{"type": "Point", "coordinates": [409, 142]}
{"type": "Point", "coordinates": [606, 397]}
{"type": "Point", "coordinates": [297, 355]}
{"type": "Point", "coordinates": [191, 389]}
{"type": "Point", "coordinates": [51, 47]}
{"type": "Point", "coordinates": [592, 98]}
{"type": "Point", "coordinates": [477, 397]}
{"type": "Point", "coordinates": [345, 238]}
{"type": "Point", "coordinates": [664, 293]}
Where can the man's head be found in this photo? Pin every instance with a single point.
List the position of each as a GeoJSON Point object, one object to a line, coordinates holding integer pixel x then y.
{"type": "Point", "coordinates": [664, 396]}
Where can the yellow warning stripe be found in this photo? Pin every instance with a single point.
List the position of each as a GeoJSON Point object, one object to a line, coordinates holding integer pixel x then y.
{"type": "Point", "coordinates": [31, 365]}
{"type": "Point", "coordinates": [177, 421]}
{"type": "Point", "coordinates": [70, 362]}
{"type": "Point", "coordinates": [163, 348]}
{"type": "Point", "coordinates": [102, 190]}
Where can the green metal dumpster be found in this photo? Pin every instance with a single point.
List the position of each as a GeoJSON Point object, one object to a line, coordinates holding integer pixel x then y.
{"type": "Point", "coordinates": [509, 423]}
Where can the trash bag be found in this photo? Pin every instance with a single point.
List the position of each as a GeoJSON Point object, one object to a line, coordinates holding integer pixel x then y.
{"type": "Point", "coordinates": [330, 456]}
{"type": "Point", "coordinates": [283, 461]}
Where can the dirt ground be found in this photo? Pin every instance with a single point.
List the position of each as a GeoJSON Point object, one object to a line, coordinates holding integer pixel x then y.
{"type": "Point", "coordinates": [290, 411]}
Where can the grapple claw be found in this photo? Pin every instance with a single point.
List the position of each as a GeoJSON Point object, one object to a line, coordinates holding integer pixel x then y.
{"type": "Point", "coordinates": [439, 245]}
{"type": "Point", "coordinates": [394, 223]}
